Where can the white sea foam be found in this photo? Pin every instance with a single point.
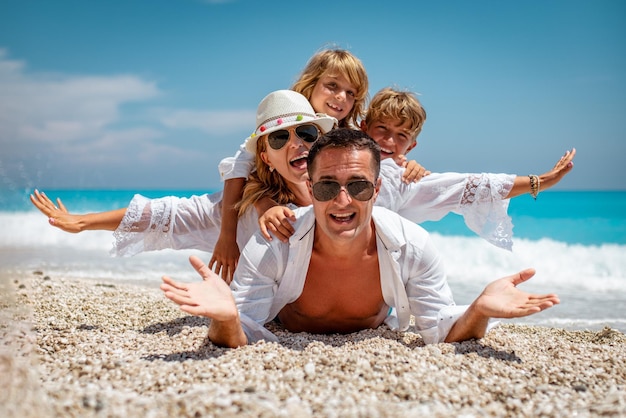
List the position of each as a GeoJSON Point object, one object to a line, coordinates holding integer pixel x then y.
{"type": "Point", "coordinates": [590, 279]}
{"type": "Point", "coordinates": [29, 243]}
{"type": "Point", "coordinates": [598, 268]}
{"type": "Point", "coordinates": [31, 230]}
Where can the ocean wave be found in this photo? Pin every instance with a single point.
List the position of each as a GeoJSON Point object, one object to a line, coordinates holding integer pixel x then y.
{"type": "Point", "coordinates": [470, 261]}
{"type": "Point", "coordinates": [589, 279]}
{"type": "Point", "coordinates": [32, 230]}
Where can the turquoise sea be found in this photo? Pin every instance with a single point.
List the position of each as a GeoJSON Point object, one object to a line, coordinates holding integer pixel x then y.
{"type": "Point", "coordinates": [575, 240]}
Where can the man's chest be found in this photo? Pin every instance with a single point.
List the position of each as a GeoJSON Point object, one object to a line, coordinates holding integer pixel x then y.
{"type": "Point", "coordinates": [347, 289]}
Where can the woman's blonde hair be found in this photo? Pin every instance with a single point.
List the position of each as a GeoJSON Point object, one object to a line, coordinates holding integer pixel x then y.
{"type": "Point", "coordinates": [264, 183]}
{"type": "Point", "coordinates": [336, 61]}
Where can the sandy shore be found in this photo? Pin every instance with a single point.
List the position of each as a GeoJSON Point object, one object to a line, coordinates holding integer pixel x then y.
{"type": "Point", "coordinates": [87, 348]}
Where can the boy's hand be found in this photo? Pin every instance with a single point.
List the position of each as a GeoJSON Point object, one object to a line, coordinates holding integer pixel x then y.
{"type": "Point", "coordinates": [413, 171]}
{"type": "Point", "coordinates": [278, 221]}
{"type": "Point", "coordinates": [560, 169]}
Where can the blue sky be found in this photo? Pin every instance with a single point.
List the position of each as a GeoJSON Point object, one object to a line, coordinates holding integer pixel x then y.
{"type": "Point", "coordinates": [152, 94]}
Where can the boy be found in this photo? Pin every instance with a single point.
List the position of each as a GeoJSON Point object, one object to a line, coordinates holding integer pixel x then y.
{"type": "Point", "coordinates": [394, 119]}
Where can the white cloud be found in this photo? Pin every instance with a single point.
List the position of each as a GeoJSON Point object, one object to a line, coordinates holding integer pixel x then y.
{"type": "Point", "coordinates": [53, 107]}
{"type": "Point", "coordinates": [56, 108]}
{"type": "Point", "coordinates": [55, 127]}
{"type": "Point", "coordinates": [221, 122]}
{"type": "Point", "coordinates": [113, 146]}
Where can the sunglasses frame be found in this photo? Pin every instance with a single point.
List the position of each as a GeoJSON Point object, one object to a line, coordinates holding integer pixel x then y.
{"type": "Point", "coordinates": [272, 140]}
{"type": "Point", "coordinates": [346, 187]}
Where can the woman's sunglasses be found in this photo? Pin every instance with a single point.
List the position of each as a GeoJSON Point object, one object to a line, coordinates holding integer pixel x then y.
{"type": "Point", "coordinates": [307, 132]}
{"type": "Point", "coordinates": [326, 190]}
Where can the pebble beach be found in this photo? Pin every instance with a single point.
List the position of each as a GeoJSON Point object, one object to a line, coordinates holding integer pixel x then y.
{"type": "Point", "coordinates": [89, 348]}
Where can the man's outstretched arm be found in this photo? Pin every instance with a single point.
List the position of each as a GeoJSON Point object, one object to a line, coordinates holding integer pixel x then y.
{"type": "Point", "coordinates": [500, 299]}
{"type": "Point", "coordinates": [210, 298]}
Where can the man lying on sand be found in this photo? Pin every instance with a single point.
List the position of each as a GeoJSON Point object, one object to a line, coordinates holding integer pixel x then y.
{"type": "Point", "coordinates": [364, 265]}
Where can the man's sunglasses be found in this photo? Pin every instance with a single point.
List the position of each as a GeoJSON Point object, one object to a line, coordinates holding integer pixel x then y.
{"type": "Point", "coordinates": [307, 132]}
{"type": "Point", "coordinates": [326, 190]}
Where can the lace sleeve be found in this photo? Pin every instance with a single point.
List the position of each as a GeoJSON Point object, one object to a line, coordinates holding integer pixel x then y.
{"type": "Point", "coordinates": [169, 222]}
{"type": "Point", "coordinates": [484, 207]}
{"type": "Point", "coordinates": [479, 198]}
{"type": "Point", "coordinates": [145, 226]}
{"type": "Point", "coordinates": [486, 187]}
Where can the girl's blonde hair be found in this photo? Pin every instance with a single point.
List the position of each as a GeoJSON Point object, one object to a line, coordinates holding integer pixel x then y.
{"type": "Point", "coordinates": [263, 182]}
{"type": "Point", "coordinates": [336, 61]}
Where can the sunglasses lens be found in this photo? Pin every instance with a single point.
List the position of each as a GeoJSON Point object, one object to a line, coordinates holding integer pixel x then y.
{"type": "Point", "coordinates": [326, 190]}
{"type": "Point", "coordinates": [278, 139]}
{"type": "Point", "coordinates": [361, 190]}
{"type": "Point", "coordinates": [308, 133]}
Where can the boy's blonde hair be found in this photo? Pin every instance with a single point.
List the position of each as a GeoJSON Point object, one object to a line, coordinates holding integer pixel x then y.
{"type": "Point", "coordinates": [400, 105]}
{"type": "Point", "coordinates": [336, 61]}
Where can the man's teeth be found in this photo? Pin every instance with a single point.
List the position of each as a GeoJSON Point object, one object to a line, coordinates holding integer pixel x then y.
{"type": "Point", "coordinates": [386, 151]}
{"type": "Point", "coordinates": [342, 216]}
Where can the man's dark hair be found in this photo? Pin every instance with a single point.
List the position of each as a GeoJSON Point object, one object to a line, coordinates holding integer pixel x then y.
{"type": "Point", "coordinates": [347, 139]}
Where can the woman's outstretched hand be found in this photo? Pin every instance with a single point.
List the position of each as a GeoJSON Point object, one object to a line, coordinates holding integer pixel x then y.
{"type": "Point", "coordinates": [57, 214]}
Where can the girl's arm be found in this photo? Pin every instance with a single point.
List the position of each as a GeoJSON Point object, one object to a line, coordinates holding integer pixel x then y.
{"type": "Point", "coordinates": [226, 253]}
{"type": "Point", "coordinates": [234, 170]}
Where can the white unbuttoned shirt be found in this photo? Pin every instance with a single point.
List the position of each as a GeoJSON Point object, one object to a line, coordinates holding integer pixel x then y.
{"type": "Point", "coordinates": [271, 274]}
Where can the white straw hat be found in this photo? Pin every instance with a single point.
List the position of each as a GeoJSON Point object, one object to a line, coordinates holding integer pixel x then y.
{"type": "Point", "coordinates": [282, 109]}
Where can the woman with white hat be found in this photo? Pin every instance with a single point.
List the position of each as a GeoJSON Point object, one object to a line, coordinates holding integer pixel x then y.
{"type": "Point", "coordinates": [286, 126]}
